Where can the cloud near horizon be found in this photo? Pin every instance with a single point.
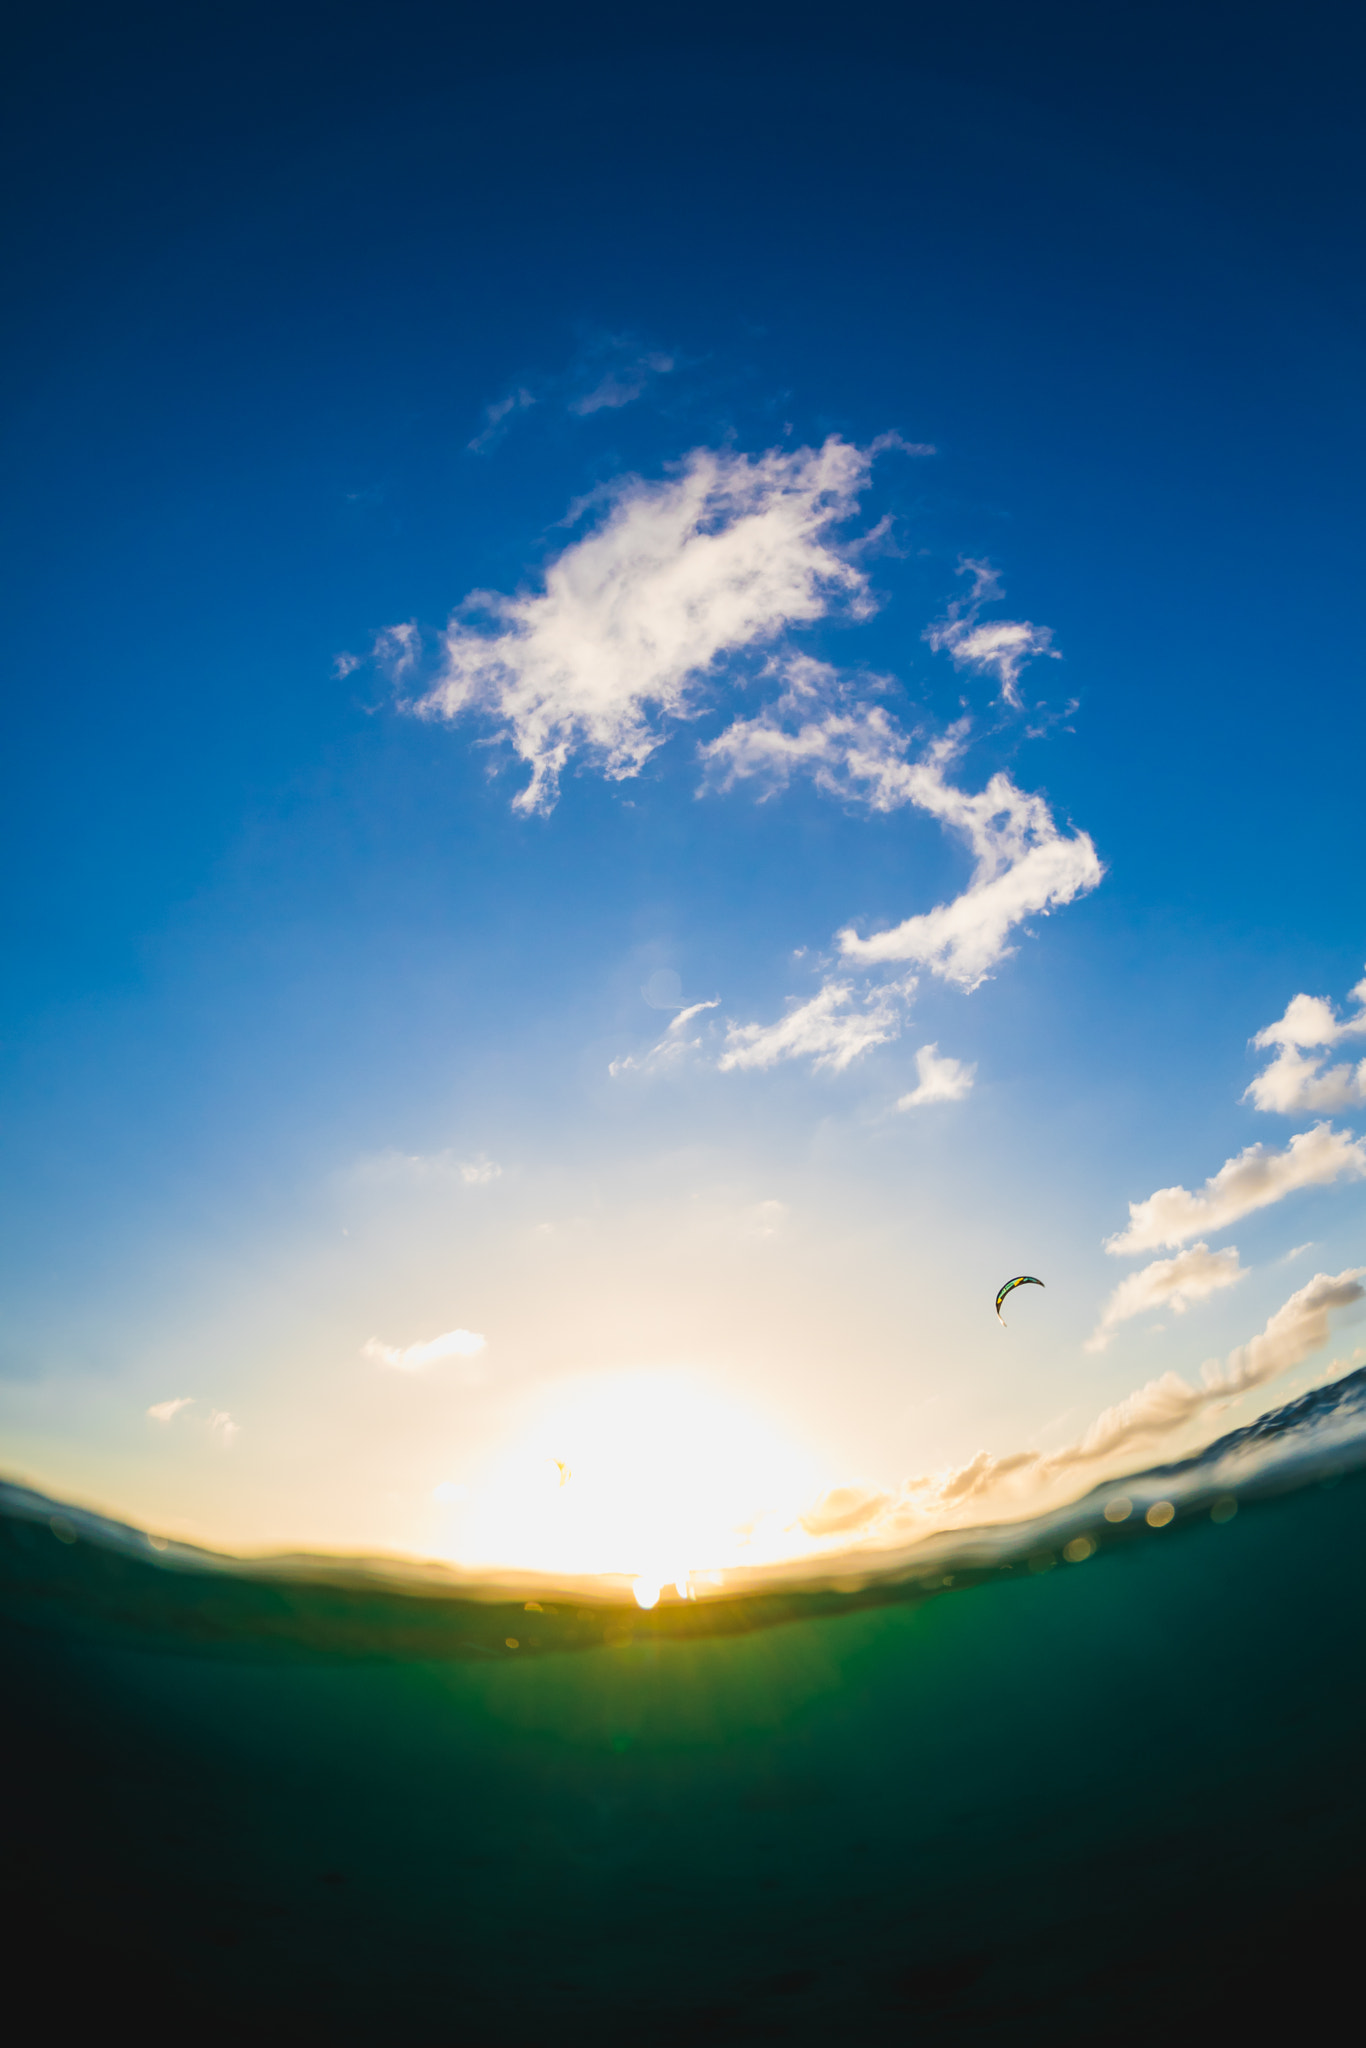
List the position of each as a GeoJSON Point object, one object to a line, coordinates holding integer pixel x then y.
{"type": "Point", "coordinates": [1139, 1424]}
{"type": "Point", "coordinates": [1253, 1179]}
{"type": "Point", "coordinates": [1174, 1284]}
{"type": "Point", "coordinates": [1296, 1079]}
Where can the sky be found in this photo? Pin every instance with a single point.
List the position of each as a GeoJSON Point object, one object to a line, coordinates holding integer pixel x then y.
{"type": "Point", "coordinates": [676, 696]}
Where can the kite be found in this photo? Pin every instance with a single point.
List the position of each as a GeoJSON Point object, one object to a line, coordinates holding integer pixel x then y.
{"type": "Point", "coordinates": [1020, 1280]}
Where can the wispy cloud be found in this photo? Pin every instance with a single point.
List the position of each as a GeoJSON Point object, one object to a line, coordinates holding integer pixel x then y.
{"type": "Point", "coordinates": [998, 647]}
{"type": "Point", "coordinates": [716, 559]}
{"type": "Point", "coordinates": [623, 383]}
{"type": "Point", "coordinates": [425, 1168]}
{"type": "Point", "coordinates": [1024, 865]}
{"type": "Point", "coordinates": [164, 1411]}
{"type": "Point", "coordinates": [417, 1357]}
{"type": "Point", "coordinates": [830, 1029]}
{"type": "Point", "coordinates": [671, 1048]}
{"type": "Point", "coordinates": [608, 372]}
{"type": "Point", "coordinates": [941, 1079]}
{"type": "Point", "coordinates": [1174, 1283]}
{"type": "Point", "coordinates": [477, 1173]}
{"type": "Point", "coordinates": [1254, 1179]}
{"type": "Point", "coordinates": [1297, 1079]}
{"type": "Point", "coordinates": [224, 1428]}
{"type": "Point", "coordinates": [497, 418]}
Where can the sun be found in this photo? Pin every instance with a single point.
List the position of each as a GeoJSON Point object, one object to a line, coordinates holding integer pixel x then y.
{"type": "Point", "coordinates": [652, 1474]}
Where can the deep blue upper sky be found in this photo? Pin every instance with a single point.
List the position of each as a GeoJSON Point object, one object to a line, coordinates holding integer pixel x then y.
{"type": "Point", "coordinates": [269, 268]}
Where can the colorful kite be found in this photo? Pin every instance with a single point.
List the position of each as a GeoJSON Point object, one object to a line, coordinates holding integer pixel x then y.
{"type": "Point", "coordinates": [1020, 1280]}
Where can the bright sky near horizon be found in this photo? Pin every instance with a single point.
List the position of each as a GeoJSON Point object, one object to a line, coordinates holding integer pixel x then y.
{"type": "Point", "coordinates": [668, 711]}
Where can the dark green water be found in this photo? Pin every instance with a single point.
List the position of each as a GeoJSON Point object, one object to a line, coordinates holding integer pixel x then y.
{"type": "Point", "coordinates": [1116, 1801]}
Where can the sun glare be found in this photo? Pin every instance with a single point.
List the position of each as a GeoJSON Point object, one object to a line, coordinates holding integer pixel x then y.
{"type": "Point", "coordinates": [651, 1475]}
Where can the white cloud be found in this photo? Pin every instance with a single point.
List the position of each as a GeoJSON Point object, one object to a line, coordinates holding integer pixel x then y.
{"type": "Point", "coordinates": [831, 1028]}
{"type": "Point", "coordinates": [623, 384]}
{"type": "Point", "coordinates": [716, 559]}
{"type": "Point", "coordinates": [998, 647]}
{"type": "Point", "coordinates": [224, 1427]}
{"type": "Point", "coordinates": [1168, 1283]}
{"type": "Point", "coordinates": [417, 1357]}
{"type": "Point", "coordinates": [162, 1411]}
{"type": "Point", "coordinates": [1024, 866]}
{"type": "Point", "coordinates": [1296, 1079]}
{"type": "Point", "coordinates": [1252, 1180]}
{"type": "Point", "coordinates": [1293, 1334]}
{"type": "Point", "coordinates": [670, 1048]}
{"type": "Point", "coordinates": [941, 1079]}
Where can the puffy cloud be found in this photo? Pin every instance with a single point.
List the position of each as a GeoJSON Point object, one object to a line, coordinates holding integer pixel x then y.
{"type": "Point", "coordinates": [671, 1048]}
{"type": "Point", "coordinates": [1297, 1079]}
{"type": "Point", "coordinates": [998, 647]}
{"type": "Point", "coordinates": [831, 1028]}
{"type": "Point", "coordinates": [716, 559]}
{"type": "Point", "coordinates": [417, 1357]}
{"type": "Point", "coordinates": [1168, 1283]}
{"type": "Point", "coordinates": [163, 1411]}
{"type": "Point", "coordinates": [941, 1079]}
{"type": "Point", "coordinates": [1252, 1180]}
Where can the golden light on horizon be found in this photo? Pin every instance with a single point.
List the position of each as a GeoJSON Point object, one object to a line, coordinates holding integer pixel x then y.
{"type": "Point", "coordinates": [650, 1474]}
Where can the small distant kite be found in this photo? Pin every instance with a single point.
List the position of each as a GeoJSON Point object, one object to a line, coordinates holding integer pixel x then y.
{"type": "Point", "coordinates": [1020, 1280]}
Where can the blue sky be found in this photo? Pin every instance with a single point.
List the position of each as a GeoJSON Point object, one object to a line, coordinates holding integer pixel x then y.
{"type": "Point", "coordinates": [321, 1042]}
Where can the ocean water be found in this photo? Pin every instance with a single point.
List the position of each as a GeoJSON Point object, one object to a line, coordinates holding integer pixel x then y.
{"type": "Point", "coordinates": [1076, 1780]}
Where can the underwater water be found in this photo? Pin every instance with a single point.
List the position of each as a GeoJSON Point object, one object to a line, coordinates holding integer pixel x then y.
{"type": "Point", "coordinates": [1083, 1779]}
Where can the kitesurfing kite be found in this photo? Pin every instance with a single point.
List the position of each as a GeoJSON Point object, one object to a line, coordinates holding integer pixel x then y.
{"type": "Point", "coordinates": [1020, 1280]}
